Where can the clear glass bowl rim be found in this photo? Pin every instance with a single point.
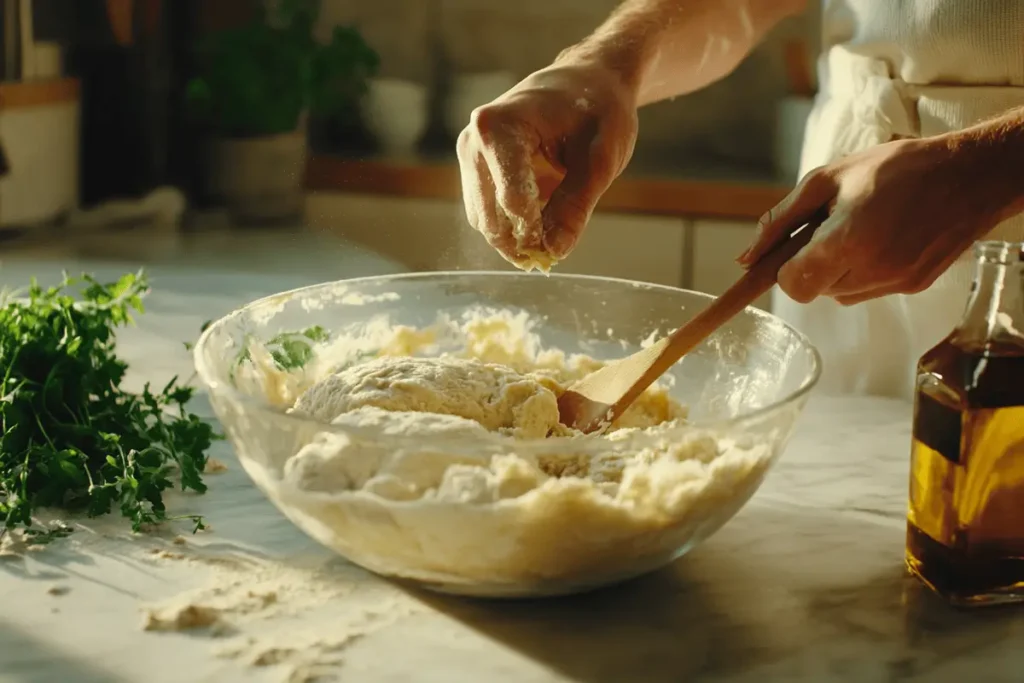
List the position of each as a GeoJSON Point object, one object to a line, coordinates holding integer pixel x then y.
{"type": "Point", "coordinates": [254, 406]}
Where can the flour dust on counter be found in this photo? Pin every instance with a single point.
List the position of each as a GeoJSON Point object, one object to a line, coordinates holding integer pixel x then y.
{"type": "Point", "coordinates": [298, 618]}
{"type": "Point", "coordinates": [291, 618]}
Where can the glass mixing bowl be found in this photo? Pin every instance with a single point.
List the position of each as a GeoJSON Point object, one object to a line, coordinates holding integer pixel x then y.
{"type": "Point", "coordinates": [747, 384]}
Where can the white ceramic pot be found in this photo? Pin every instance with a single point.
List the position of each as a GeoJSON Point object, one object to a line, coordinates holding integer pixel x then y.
{"type": "Point", "coordinates": [396, 113]}
{"type": "Point", "coordinates": [469, 91]}
{"type": "Point", "coordinates": [259, 179]}
{"type": "Point", "coordinates": [39, 130]}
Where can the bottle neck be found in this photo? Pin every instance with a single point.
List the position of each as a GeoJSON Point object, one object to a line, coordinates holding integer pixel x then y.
{"type": "Point", "coordinates": [994, 316]}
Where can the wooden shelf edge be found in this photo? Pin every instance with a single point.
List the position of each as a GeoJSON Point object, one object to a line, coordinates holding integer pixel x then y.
{"type": "Point", "coordinates": [657, 196]}
{"type": "Point", "coordinates": [24, 94]}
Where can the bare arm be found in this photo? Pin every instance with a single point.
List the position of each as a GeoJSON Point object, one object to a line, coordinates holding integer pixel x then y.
{"type": "Point", "coordinates": [994, 152]}
{"type": "Point", "coordinates": [535, 162]}
{"type": "Point", "coordinates": [665, 48]}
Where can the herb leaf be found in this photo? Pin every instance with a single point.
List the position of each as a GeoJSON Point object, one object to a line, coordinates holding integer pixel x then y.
{"type": "Point", "coordinates": [70, 436]}
{"type": "Point", "coordinates": [290, 350]}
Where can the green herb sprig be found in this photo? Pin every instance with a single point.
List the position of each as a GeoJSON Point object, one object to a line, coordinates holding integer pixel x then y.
{"type": "Point", "coordinates": [70, 436]}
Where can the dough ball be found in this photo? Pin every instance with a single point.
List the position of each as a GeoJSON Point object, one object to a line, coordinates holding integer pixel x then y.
{"type": "Point", "coordinates": [494, 396]}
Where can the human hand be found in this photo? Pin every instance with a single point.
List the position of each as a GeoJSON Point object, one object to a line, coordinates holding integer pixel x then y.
{"type": "Point", "coordinates": [899, 214]}
{"type": "Point", "coordinates": [535, 161]}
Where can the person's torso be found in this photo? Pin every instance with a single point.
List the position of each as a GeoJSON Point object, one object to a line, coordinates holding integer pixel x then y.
{"type": "Point", "coordinates": [903, 68]}
{"type": "Point", "coordinates": [964, 42]}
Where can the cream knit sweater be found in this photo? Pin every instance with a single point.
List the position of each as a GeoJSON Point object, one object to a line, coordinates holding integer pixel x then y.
{"type": "Point", "coordinates": [931, 42]}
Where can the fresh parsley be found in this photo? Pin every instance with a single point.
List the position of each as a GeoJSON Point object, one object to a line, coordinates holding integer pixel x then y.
{"type": "Point", "coordinates": [290, 350]}
{"type": "Point", "coordinates": [70, 436]}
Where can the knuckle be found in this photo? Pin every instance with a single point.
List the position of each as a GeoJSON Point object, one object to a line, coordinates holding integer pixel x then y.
{"type": "Point", "coordinates": [574, 209]}
{"type": "Point", "coordinates": [793, 291]}
{"type": "Point", "coordinates": [794, 284]}
{"type": "Point", "coordinates": [487, 119]}
{"type": "Point", "coordinates": [802, 295]}
{"type": "Point", "coordinates": [464, 144]}
{"type": "Point", "coordinates": [817, 180]}
{"type": "Point", "coordinates": [480, 122]}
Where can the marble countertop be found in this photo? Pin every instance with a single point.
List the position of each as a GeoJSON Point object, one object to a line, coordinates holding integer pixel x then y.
{"type": "Point", "coordinates": [806, 584]}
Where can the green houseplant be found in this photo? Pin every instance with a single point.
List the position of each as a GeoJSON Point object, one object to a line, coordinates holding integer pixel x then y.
{"type": "Point", "coordinates": [256, 85]}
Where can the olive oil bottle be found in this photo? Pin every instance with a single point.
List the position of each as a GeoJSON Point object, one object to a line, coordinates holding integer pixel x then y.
{"type": "Point", "coordinates": [965, 530]}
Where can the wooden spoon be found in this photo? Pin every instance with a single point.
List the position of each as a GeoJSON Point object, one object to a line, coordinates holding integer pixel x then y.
{"type": "Point", "coordinates": [599, 398]}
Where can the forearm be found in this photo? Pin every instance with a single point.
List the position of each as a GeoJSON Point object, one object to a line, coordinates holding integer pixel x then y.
{"type": "Point", "coordinates": [993, 156]}
{"type": "Point", "coordinates": [664, 48]}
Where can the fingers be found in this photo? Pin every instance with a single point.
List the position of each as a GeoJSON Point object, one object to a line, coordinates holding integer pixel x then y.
{"type": "Point", "coordinates": [815, 191]}
{"type": "Point", "coordinates": [499, 183]}
{"type": "Point", "coordinates": [591, 167]}
{"type": "Point", "coordinates": [504, 154]}
{"type": "Point", "coordinates": [481, 207]}
{"type": "Point", "coordinates": [865, 283]}
{"type": "Point", "coordinates": [819, 265]}
{"type": "Point", "coordinates": [506, 229]}
{"type": "Point", "coordinates": [509, 150]}
{"type": "Point", "coordinates": [861, 297]}
{"type": "Point", "coordinates": [862, 284]}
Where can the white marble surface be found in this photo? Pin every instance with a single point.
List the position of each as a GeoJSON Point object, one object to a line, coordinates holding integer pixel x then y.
{"type": "Point", "coordinates": [805, 585]}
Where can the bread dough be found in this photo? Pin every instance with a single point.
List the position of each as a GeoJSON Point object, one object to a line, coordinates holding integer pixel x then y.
{"type": "Point", "coordinates": [452, 468]}
{"type": "Point", "coordinates": [497, 397]}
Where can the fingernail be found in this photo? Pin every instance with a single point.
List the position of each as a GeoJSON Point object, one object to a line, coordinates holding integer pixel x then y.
{"type": "Point", "coordinates": [744, 258]}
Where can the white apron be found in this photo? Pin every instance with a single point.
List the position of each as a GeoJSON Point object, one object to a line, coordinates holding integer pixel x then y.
{"type": "Point", "coordinates": [879, 68]}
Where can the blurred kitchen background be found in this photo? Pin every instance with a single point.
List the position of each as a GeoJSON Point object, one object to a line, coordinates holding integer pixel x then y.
{"type": "Point", "coordinates": [206, 130]}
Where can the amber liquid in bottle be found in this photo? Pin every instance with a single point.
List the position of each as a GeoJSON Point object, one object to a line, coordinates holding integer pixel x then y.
{"type": "Point", "coordinates": [965, 532]}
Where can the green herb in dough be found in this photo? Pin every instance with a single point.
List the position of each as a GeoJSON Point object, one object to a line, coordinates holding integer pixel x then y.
{"type": "Point", "coordinates": [290, 350]}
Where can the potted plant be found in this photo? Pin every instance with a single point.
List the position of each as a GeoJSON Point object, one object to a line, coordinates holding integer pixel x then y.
{"type": "Point", "coordinates": [256, 87]}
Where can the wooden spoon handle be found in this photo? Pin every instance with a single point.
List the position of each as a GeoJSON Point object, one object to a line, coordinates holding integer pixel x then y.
{"type": "Point", "coordinates": [758, 279]}
{"type": "Point", "coordinates": [600, 398]}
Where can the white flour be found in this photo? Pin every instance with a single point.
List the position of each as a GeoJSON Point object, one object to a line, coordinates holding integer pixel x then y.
{"type": "Point", "coordinates": [293, 619]}
{"type": "Point", "coordinates": [438, 469]}
{"type": "Point", "coordinates": [268, 614]}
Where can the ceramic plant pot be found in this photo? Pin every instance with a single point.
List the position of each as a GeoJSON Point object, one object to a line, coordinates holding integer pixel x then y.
{"type": "Point", "coordinates": [259, 179]}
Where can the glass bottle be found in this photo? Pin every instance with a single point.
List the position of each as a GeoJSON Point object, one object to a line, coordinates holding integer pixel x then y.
{"type": "Point", "coordinates": [965, 530]}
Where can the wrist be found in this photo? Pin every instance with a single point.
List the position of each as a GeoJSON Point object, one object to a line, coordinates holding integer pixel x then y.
{"type": "Point", "coordinates": [990, 155]}
{"type": "Point", "coordinates": [629, 45]}
{"type": "Point", "coordinates": [625, 63]}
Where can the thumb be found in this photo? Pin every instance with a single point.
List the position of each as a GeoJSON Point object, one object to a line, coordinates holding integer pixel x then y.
{"type": "Point", "coordinates": [815, 191]}
{"type": "Point", "coordinates": [589, 173]}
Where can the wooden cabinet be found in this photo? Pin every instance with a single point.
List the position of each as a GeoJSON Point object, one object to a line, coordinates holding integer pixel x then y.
{"type": "Point", "coordinates": [422, 234]}
{"type": "Point", "coordinates": [650, 249]}
{"type": "Point", "coordinates": [433, 234]}
{"type": "Point", "coordinates": [716, 244]}
{"type": "Point", "coordinates": [646, 248]}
